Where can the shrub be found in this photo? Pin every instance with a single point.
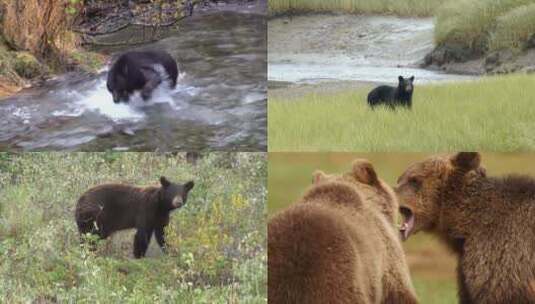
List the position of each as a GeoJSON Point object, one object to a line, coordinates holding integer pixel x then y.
{"type": "Point", "coordinates": [468, 23]}
{"type": "Point", "coordinates": [514, 29]}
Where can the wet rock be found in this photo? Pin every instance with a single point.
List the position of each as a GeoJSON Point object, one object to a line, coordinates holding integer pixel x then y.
{"type": "Point", "coordinates": [528, 69]}
{"type": "Point", "coordinates": [492, 58]}
{"type": "Point", "coordinates": [105, 132]}
{"type": "Point", "coordinates": [128, 131]}
{"type": "Point", "coordinates": [448, 53]}
{"type": "Point", "coordinates": [531, 42]}
{"type": "Point", "coordinates": [27, 66]}
{"type": "Point", "coordinates": [500, 62]}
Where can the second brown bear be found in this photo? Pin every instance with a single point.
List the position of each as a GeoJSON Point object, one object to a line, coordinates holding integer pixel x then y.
{"type": "Point", "coordinates": [339, 244]}
{"type": "Point", "coordinates": [489, 222]}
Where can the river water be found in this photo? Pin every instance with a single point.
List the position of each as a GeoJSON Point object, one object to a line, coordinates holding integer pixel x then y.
{"type": "Point", "coordinates": [314, 48]}
{"type": "Point", "coordinates": [219, 102]}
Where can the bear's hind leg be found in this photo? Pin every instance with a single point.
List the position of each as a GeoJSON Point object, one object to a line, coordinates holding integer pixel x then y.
{"type": "Point", "coordinates": [141, 242]}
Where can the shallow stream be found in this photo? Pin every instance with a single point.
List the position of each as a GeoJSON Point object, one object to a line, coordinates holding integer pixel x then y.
{"type": "Point", "coordinates": [219, 102]}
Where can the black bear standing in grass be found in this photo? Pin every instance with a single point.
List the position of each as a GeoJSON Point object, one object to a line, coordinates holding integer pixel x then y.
{"type": "Point", "coordinates": [107, 208]}
{"type": "Point", "coordinates": [393, 96]}
{"type": "Point", "coordinates": [143, 71]}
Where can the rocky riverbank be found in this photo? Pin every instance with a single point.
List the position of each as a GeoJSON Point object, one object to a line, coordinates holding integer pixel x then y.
{"type": "Point", "coordinates": [457, 60]}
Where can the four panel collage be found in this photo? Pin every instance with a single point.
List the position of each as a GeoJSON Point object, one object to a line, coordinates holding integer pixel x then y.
{"type": "Point", "coordinates": [267, 151]}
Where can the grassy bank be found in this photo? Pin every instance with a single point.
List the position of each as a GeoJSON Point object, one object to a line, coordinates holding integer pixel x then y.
{"type": "Point", "coordinates": [36, 41]}
{"type": "Point", "coordinates": [19, 69]}
{"type": "Point", "coordinates": [390, 7]}
{"type": "Point", "coordinates": [485, 25]}
{"type": "Point", "coordinates": [469, 28]}
{"type": "Point", "coordinates": [432, 266]}
{"type": "Point", "coordinates": [216, 241]}
{"type": "Point", "coordinates": [491, 114]}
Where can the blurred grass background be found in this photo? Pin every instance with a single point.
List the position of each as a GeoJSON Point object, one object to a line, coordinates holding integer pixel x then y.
{"type": "Point", "coordinates": [492, 114]}
{"type": "Point", "coordinates": [432, 266]}
{"type": "Point", "coordinates": [216, 242]}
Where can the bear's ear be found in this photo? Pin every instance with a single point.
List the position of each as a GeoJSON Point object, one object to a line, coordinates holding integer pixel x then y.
{"type": "Point", "coordinates": [400, 78]}
{"type": "Point", "coordinates": [164, 181]}
{"type": "Point", "coordinates": [412, 78]}
{"type": "Point", "coordinates": [318, 176]}
{"type": "Point", "coordinates": [189, 185]}
{"type": "Point", "coordinates": [364, 172]}
{"type": "Point", "coordinates": [466, 160]}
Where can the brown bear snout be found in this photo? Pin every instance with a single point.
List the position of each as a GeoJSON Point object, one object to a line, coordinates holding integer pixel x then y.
{"type": "Point", "coordinates": [177, 201]}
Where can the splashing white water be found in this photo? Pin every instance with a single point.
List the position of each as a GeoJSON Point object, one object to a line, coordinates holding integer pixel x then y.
{"type": "Point", "coordinates": [99, 100]}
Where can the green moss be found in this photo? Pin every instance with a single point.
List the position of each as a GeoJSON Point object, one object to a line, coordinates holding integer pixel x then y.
{"type": "Point", "coordinates": [27, 66]}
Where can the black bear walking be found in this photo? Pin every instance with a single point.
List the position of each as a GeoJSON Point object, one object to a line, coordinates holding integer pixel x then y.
{"type": "Point", "coordinates": [107, 208]}
{"type": "Point", "coordinates": [393, 96]}
{"type": "Point", "coordinates": [142, 71]}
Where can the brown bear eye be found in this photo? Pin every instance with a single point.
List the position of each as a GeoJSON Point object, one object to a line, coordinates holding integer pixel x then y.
{"type": "Point", "coordinates": [414, 182]}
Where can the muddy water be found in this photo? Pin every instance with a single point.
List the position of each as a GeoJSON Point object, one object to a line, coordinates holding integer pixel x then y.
{"type": "Point", "coordinates": [218, 104]}
{"type": "Point", "coordinates": [309, 49]}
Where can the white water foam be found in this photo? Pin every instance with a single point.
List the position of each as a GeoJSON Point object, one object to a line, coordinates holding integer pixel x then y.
{"type": "Point", "coordinates": [23, 113]}
{"type": "Point", "coordinates": [254, 97]}
{"type": "Point", "coordinates": [100, 100]}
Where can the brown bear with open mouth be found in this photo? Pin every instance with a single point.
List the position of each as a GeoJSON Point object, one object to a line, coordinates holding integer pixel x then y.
{"type": "Point", "coordinates": [489, 222]}
{"type": "Point", "coordinates": [339, 244]}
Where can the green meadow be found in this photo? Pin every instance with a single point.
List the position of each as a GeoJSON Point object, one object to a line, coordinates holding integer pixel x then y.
{"type": "Point", "coordinates": [216, 242]}
{"type": "Point", "coordinates": [431, 265]}
{"type": "Point", "coordinates": [490, 114]}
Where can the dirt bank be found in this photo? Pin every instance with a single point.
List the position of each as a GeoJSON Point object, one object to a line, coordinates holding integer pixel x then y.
{"type": "Point", "coordinates": [344, 47]}
{"type": "Point", "coordinates": [373, 48]}
{"type": "Point", "coordinates": [459, 61]}
{"type": "Point", "coordinates": [382, 40]}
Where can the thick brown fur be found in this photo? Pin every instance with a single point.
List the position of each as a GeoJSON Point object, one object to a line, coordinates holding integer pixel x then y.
{"type": "Point", "coordinates": [107, 208]}
{"type": "Point", "coordinates": [338, 244]}
{"type": "Point", "coordinates": [488, 221]}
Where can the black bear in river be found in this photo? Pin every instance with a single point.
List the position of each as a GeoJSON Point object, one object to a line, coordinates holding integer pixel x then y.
{"type": "Point", "coordinates": [393, 96]}
{"type": "Point", "coordinates": [140, 71]}
{"type": "Point", "coordinates": [107, 208]}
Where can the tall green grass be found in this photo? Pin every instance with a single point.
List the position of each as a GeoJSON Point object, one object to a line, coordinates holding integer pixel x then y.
{"type": "Point", "coordinates": [514, 29]}
{"type": "Point", "coordinates": [481, 25]}
{"type": "Point", "coordinates": [492, 114]}
{"type": "Point", "coordinates": [216, 241]}
{"type": "Point", "coordinates": [391, 7]}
